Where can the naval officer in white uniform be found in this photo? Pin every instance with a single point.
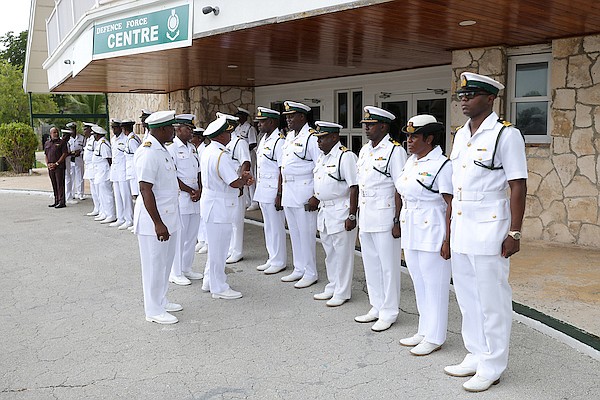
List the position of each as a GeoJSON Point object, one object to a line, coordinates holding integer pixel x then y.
{"type": "Point", "coordinates": [74, 171]}
{"type": "Point", "coordinates": [188, 178]}
{"type": "Point", "coordinates": [426, 190]}
{"type": "Point", "coordinates": [336, 191]}
{"type": "Point", "coordinates": [118, 176]}
{"type": "Point", "coordinates": [269, 152]}
{"type": "Point", "coordinates": [156, 217]}
{"type": "Point", "coordinates": [490, 186]}
{"type": "Point", "coordinates": [132, 144]}
{"type": "Point", "coordinates": [88, 166]}
{"type": "Point", "coordinates": [297, 187]}
{"type": "Point", "coordinates": [101, 159]}
{"type": "Point", "coordinates": [380, 163]}
{"type": "Point", "coordinates": [220, 191]}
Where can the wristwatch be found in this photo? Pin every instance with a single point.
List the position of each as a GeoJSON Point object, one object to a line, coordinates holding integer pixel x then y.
{"type": "Point", "coordinates": [515, 235]}
{"type": "Point", "coordinates": [352, 217]}
{"type": "Point", "coordinates": [396, 220]}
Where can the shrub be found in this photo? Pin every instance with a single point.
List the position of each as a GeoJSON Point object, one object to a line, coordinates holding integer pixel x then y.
{"type": "Point", "coordinates": [18, 143]}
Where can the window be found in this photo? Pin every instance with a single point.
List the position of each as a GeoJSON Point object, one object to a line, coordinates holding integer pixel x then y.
{"type": "Point", "coordinates": [529, 95]}
{"type": "Point", "coordinates": [349, 113]}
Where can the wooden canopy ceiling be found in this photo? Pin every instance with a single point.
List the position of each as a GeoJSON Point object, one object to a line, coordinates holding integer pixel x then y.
{"type": "Point", "coordinates": [386, 37]}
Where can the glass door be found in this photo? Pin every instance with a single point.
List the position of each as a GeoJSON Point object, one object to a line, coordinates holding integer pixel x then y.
{"type": "Point", "coordinates": [401, 107]}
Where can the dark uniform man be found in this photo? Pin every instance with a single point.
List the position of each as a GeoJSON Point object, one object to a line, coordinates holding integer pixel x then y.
{"type": "Point", "coordinates": [56, 152]}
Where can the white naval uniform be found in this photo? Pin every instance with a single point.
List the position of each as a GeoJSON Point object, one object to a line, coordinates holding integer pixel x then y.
{"type": "Point", "coordinates": [217, 206]}
{"type": "Point", "coordinates": [102, 152]}
{"type": "Point", "coordinates": [334, 174]}
{"type": "Point", "coordinates": [480, 222]}
{"type": "Point", "coordinates": [202, 227]}
{"type": "Point", "coordinates": [133, 142]}
{"type": "Point", "coordinates": [88, 170]}
{"type": "Point", "coordinates": [154, 165]}
{"type": "Point", "coordinates": [118, 175]}
{"type": "Point", "coordinates": [240, 153]}
{"type": "Point", "coordinates": [377, 207]}
{"type": "Point", "coordinates": [74, 170]}
{"type": "Point", "coordinates": [297, 163]}
{"type": "Point", "coordinates": [247, 132]}
{"type": "Point", "coordinates": [269, 151]}
{"type": "Point", "coordinates": [423, 224]}
{"type": "Point", "coordinates": [188, 167]}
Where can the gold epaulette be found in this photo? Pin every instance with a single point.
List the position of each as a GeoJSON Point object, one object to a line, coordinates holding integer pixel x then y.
{"type": "Point", "coordinates": [344, 148]}
{"type": "Point", "coordinates": [311, 131]}
{"type": "Point", "coordinates": [281, 135]}
{"type": "Point", "coordinates": [395, 142]}
{"type": "Point", "coordinates": [147, 144]}
{"type": "Point", "coordinates": [505, 123]}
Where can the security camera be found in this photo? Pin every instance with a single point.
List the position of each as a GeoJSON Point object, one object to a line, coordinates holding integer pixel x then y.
{"type": "Point", "coordinates": [209, 9]}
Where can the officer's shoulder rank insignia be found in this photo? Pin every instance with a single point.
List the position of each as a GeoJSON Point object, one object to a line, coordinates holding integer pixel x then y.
{"type": "Point", "coordinates": [503, 122]}
{"type": "Point", "coordinates": [311, 131]}
{"type": "Point", "coordinates": [147, 144]}
{"type": "Point", "coordinates": [281, 135]}
{"type": "Point", "coordinates": [343, 148]}
{"type": "Point", "coordinates": [395, 142]}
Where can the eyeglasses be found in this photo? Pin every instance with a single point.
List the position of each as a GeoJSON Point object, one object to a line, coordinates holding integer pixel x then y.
{"type": "Point", "coordinates": [469, 95]}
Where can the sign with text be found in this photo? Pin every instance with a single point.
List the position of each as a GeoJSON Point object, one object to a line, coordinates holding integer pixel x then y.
{"type": "Point", "coordinates": [159, 30]}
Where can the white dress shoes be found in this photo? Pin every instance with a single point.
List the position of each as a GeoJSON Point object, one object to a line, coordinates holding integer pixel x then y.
{"type": "Point", "coordinates": [459, 370]}
{"type": "Point", "coordinates": [479, 384]}
{"type": "Point", "coordinates": [335, 302]}
{"type": "Point", "coordinates": [205, 286]}
{"type": "Point", "coordinates": [116, 224]}
{"type": "Point", "coordinates": [263, 267]}
{"type": "Point", "coordinates": [92, 214]}
{"type": "Point", "coordinates": [412, 341]}
{"type": "Point", "coordinates": [424, 348]}
{"type": "Point", "coordinates": [293, 277]}
{"type": "Point", "coordinates": [125, 225]}
{"type": "Point", "coordinates": [253, 207]}
{"type": "Point", "coordinates": [304, 283]}
{"type": "Point", "coordinates": [164, 318]}
{"type": "Point", "coordinates": [193, 275]}
{"type": "Point", "coordinates": [323, 296]}
{"type": "Point", "coordinates": [108, 220]}
{"type": "Point", "coordinates": [179, 280]}
{"type": "Point", "coordinates": [381, 326]}
{"type": "Point", "coordinates": [365, 318]}
{"type": "Point", "coordinates": [229, 294]}
{"type": "Point", "coordinates": [173, 307]}
{"type": "Point", "coordinates": [199, 245]}
{"type": "Point", "coordinates": [100, 217]}
{"type": "Point", "coordinates": [203, 249]}
{"type": "Point", "coordinates": [273, 270]}
{"type": "Point", "coordinates": [233, 259]}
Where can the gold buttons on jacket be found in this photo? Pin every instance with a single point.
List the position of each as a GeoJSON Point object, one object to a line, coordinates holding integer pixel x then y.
{"type": "Point", "coordinates": [459, 213]}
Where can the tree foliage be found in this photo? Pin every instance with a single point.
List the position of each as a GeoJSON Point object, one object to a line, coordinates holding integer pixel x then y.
{"type": "Point", "coordinates": [18, 143]}
{"type": "Point", "coordinates": [15, 49]}
{"type": "Point", "coordinates": [14, 103]}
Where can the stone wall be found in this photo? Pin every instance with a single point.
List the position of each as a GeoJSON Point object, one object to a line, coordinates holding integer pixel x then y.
{"type": "Point", "coordinates": [130, 105]}
{"type": "Point", "coordinates": [563, 196]}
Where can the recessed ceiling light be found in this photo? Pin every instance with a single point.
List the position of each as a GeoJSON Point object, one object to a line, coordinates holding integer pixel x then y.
{"type": "Point", "coordinates": [467, 22]}
{"type": "Point", "coordinates": [232, 66]}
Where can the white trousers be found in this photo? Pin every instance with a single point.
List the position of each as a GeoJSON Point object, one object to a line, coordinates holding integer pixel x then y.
{"type": "Point", "coordinates": [303, 234]}
{"type": "Point", "coordinates": [249, 191]}
{"type": "Point", "coordinates": [275, 238]}
{"type": "Point", "coordinates": [339, 262]}
{"type": "Point", "coordinates": [95, 196]}
{"type": "Point", "coordinates": [107, 201]}
{"type": "Point", "coordinates": [123, 201]}
{"type": "Point", "coordinates": [381, 260]}
{"type": "Point", "coordinates": [184, 252]}
{"type": "Point", "coordinates": [156, 258]}
{"type": "Point", "coordinates": [430, 274]}
{"type": "Point", "coordinates": [485, 300]}
{"type": "Point", "coordinates": [134, 186]}
{"type": "Point", "coordinates": [202, 231]}
{"type": "Point", "coordinates": [218, 243]}
{"type": "Point", "coordinates": [73, 180]}
{"type": "Point", "coordinates": [236, 245]}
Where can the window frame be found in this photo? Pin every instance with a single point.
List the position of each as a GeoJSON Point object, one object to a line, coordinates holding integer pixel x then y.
{"type": "Point", "coordinates": [512, 100]}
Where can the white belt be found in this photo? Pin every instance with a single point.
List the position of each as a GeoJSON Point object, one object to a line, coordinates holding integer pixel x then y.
{"type": "Point", "coordinates": [189, 181]}
{"type": "Point", "coordinates": [462, 195]}
{"type": "Point", "coordinates": [267, 176]}
{"type": "Point", "coordinates": [292, 178]}
{"type": "Point", "coordinates": [377, 192]}
{"type": "Point", "coordinates": [330, 203]}
{"type": "Point", "coordinates": [412, 205]}
{"type": "Point", "coordinates": [218, 195]}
